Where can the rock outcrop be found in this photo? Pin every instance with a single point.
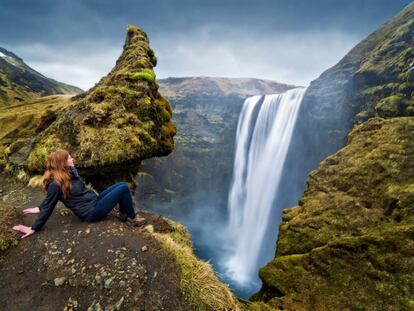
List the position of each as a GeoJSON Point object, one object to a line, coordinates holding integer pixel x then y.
{"type": "Point", "coordinates": [110, 128]}
{"type": "Point", "coordinates": [349, 243]}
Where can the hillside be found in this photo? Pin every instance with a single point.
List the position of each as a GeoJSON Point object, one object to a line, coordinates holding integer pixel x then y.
{"type": "Point", "coordinates": [19, 82]}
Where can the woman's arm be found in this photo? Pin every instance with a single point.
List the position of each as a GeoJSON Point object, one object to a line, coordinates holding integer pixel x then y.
{"type": "Point", "coordinates": [45, 209]}
{"type": "Point", "coordinates": [47, 206]}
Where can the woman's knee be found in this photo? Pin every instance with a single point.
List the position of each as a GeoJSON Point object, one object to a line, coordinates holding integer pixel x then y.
{"type": "Point", "coordinates": [124, 185]}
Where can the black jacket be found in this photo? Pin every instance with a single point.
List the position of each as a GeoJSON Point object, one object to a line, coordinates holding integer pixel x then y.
{"type": "Point", "coordinates": [80, 200]}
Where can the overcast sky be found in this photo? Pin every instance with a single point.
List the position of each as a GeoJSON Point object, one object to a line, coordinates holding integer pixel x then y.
{"type": "Point", "coordinates": [290, 41]}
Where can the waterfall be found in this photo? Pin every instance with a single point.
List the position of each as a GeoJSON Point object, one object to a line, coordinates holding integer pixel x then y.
{"type": "Point", "coordinates": [261, 147]}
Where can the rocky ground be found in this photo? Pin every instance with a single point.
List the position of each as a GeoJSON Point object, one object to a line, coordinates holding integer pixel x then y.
{"type": "Point", "coordinates": [71, 265]}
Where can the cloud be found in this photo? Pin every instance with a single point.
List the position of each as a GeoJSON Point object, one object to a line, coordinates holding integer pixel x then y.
{"type": "Point", "coordinates": [295, 58]}
{"type": "Point", "coordinates": [80, 63]}
{"type": "Point", "coordinates": [288, 41]}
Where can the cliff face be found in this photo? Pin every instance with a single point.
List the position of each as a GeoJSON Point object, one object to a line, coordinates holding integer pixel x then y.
{"type": "Point", "coordinates": [117, 123]}
{"type": "Point", "coordinates": [19, 82]}
{"type": "Point", "coordinates": [349, 242]}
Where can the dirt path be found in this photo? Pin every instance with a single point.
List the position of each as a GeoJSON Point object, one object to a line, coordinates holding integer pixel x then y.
{"type": "Point", "coordinates": [71, 265]}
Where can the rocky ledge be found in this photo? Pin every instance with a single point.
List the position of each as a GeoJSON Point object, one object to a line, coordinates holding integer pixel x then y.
{"type": "Point", "coordinates": [72, 265]}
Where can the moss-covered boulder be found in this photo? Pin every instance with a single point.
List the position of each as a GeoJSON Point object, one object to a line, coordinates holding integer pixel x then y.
{"type": "Point", "coordinates": [118, 122]}
{"type": "Point", "coordinates": [349, 244]}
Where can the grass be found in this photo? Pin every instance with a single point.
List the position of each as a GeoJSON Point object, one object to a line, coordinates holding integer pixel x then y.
{"type": "Point", "coordinates": [199, 282]}
{"type": "Point", "coordinates": [8, 217]}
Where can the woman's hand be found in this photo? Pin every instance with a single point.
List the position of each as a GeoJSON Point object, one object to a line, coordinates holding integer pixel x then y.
{"type": "Point", "coordinates": [32, 210]}
{"type": "Point", "coordinates": [25, 230]}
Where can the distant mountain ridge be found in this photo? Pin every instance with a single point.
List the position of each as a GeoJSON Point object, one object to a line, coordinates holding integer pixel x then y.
{"type": "Point", "coordinates": [19, 82]}
{"type": "Point", "coordinates": [176, 87]}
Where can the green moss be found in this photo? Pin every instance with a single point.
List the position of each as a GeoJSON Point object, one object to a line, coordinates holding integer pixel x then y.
{"type": "Point", "coordinates": [199, 283]}
{"type": "Point", "coordinates": [145, 74]}
{"type": "Point", "coordinates": [9, 216]}
{"type": "Point", "coordinates": [391, 106]}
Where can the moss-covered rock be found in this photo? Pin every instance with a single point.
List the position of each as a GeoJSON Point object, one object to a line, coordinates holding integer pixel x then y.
{"type": "Point", "coordinates": [349, 243]}
{"type": "Point", "coordinates": [120, 121]}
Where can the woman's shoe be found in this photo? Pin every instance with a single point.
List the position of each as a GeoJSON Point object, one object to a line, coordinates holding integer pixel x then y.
{"type": "Point", "coordinates": [122, 217]}
{"type": "Point", "coordinates": [136, 222]}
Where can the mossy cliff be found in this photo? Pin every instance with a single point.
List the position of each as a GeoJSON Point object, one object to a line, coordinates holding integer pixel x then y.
{"type": "Point", "coordinates": [120, 121]}
{"type": "Point", "coordinates": [349, 242]}
{"type": "Point", "coordinates": [375, 78]}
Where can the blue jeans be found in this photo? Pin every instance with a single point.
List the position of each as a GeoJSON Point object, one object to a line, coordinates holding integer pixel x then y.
{"type": "Point", "coordinates": [107, 200]}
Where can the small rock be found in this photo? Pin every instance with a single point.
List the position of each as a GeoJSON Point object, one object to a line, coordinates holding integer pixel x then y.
{"type": "Point", "coordinates": [69, 251]}
{"type": "Point", "coordinates": [155, 274]}
{"type": "Point", "coordinates": [108, 282]}
{"type": "Point", "coordinates": [87, 231]}
{"type": "Point", "coordinates": [98, 279]}
{"type": "Point", "coordinates": [59, 281]}
{"type": "Point", "coordinates": [122, 283]}
{"type": "Point", "coordinates": [98, 307]}
{"type": "Point", "coordinates": [144, 248]}
{"type": "Point", "coordinates": [119, 303]}
{"type": "Point", "coordinates": [69, 262]}
{"type": "Point", "coordinates": [149, 228]}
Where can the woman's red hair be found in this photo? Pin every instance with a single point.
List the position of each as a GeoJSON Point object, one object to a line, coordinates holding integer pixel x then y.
{"type": "Point", "coordinates": [57, 169]}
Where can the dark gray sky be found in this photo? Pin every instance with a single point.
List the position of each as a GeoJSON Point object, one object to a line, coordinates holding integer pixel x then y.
{"type": "Point", "coordinates": [290, 41]}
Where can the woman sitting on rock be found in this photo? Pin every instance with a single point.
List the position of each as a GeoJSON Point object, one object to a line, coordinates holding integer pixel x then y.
{"type": "Point", "coordinates": [62, 182]}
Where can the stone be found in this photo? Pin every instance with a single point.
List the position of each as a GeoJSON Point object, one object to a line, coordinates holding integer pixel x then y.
{"type": "Point", "coordinates": [108, 282]}
{"type": "Point", "coordinates": [119, 303]}
{"type": "Point", "coordinates": [59, 281]}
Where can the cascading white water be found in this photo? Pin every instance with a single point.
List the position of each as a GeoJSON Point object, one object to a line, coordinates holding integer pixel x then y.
{"type": "Point", "coordinates": [261, 149]}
